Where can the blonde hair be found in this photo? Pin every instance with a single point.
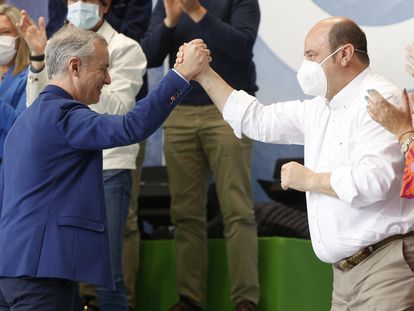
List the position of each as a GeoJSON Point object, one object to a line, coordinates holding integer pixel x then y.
{"type": "Point", "coordinates": [22, 54]}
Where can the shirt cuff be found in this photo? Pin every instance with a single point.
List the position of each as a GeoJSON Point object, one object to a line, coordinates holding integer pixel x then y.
{"type": "Point", "coordinates": [342, 183]}
{"type": "Point", "coordinates": [235, 109]}
{"type": "Point", "coordinates": [32, 70]}
{"type": "Point", "coordinates": [179, 74]}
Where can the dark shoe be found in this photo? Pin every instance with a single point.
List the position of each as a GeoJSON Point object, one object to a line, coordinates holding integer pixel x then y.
{"type": "Point", "coordinates": [246, 305]}
{"type": "Point", "coordinates": [182, 307]}
{"type": "Point", "coordinates": [88, 303]}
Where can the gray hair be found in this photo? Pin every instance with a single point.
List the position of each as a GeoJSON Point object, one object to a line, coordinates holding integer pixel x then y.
{"type": "Point", "coordinates": [69, 42]}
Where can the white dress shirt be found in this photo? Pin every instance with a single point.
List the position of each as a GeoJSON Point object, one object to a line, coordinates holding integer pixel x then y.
{"type": "Point", "coordinates": [340, 138]}
{"type": "Point", "coordinates": [127, 66]}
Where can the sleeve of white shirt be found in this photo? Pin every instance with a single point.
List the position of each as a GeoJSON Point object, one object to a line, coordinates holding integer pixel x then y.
{"type": "Point", "coordinates": [378, 163]}
{"type": "Point", "coordinates": [35, 84]}
{"type": "Point", "coordinates": [276, 123]}
{"type": "Point", "coordinates": [127, 68]}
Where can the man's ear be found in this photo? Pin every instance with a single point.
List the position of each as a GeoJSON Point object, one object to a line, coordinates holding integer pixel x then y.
{"type": "Point", "coordinates": [74, 66]}
{"type": "Point", "coordinates": [106, 4]}
{"type": "Point", "coordinates": [346, 54]}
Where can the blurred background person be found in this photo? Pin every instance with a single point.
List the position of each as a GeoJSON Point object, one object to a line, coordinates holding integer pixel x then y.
{"type": "Point", "coordinates": [198, 141]}
{"type": "Point", "coordinates": [130, 17]}
{"type": "Point", "coordinates": [399, 121]}
{"type": "Point", "coordinates": [14, 61]}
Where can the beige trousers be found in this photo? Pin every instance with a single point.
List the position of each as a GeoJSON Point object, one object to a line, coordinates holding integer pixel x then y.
{"type": "Point", "coordinates": [197, 142]}
{"type": "Point", "coordinates": [382, 282]}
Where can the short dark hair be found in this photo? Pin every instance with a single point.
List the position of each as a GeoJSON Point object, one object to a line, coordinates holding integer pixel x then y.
{"type": "Point", "coordinates": [347, 31]}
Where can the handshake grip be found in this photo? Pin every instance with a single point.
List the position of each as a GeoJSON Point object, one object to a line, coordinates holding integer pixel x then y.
{"type": "Point", "coordinates": [192, 59]}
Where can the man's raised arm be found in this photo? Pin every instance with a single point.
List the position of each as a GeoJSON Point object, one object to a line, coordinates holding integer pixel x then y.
{"type": "Point", "coordinates": [215, 87]}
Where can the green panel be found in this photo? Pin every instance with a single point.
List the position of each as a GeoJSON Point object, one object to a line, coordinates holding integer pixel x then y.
{"type": "Point", "coordinates": [291, 277]}
{"type": "Point", "coordinates": [156, 276]}
{"type": "Point", "coordinates": [218, 296]}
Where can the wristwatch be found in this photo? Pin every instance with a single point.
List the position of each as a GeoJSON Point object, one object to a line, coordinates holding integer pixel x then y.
{"type": "Point", "coordinates": [406, 144]}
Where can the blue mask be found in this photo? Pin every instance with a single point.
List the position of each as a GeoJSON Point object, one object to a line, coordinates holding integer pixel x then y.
{"type": "Point", "coordinates": [83, 15]}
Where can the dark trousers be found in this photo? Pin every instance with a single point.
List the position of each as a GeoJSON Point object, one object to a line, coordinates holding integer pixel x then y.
{"type": "Point", "coordinates": [46, 294]}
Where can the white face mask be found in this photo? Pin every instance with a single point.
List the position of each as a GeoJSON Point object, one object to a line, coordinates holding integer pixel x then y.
{"type": "Point", "coordinates": [312, 78]}
{"type": "Point", "coordinates": [7, 49]}
{"type": "Point", "coordinates": [83, 15]}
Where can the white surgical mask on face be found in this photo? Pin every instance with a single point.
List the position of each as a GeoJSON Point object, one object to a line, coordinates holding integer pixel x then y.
{"type": "Point", "coordinates": [7, 49]}
{"type": "Point", "coordinates": [83, 15]}
{"type": "Point", "coordinates": [312, 78]}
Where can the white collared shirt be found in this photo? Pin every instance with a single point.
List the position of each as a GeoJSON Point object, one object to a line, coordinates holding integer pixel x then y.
{"type": "Point", "coordinates": [340, 138]}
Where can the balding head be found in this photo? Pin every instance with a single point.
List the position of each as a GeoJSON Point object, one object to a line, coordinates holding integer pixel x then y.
{"type": "Point", "coordinates": [345, 31]}
{"type": "Point", "coordinates": [334, 32]}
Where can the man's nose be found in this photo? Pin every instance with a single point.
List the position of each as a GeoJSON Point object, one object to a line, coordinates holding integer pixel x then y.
{"type": "Point", "coordinates": [107, 79]}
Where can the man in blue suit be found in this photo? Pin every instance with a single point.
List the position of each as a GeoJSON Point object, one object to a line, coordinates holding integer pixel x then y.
{"type": "Point", "coordinates": [53, 225]}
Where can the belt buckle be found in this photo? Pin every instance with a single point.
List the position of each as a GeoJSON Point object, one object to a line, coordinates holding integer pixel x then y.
{"type": "Point", "coordinates": [351, 261]}
{"type": "Point", "coordinates": [344, 265]}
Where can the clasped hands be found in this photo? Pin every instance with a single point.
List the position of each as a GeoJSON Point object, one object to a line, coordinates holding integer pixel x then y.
{"type": "Point", "coordinates": [192, 59]}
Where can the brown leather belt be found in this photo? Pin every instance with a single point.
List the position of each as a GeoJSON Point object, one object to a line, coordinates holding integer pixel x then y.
{"type": "Point", "coordinates": [351, 261]}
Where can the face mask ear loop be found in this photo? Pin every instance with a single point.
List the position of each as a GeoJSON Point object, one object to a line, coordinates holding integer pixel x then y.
{"type": "Point", "coordinates": [330, 55]}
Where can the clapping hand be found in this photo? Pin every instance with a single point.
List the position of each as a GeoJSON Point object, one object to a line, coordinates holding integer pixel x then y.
{"type": "Point", "coordinates": [175, 8]}
{"type": "Point", "coordinates": [397, 120]}
{"type": "Point", "coordinates": [34, 36]}
{"type": "Point", "coordinates": [190, 6]}
{"type": "Point", "coordinates": [173, 13]}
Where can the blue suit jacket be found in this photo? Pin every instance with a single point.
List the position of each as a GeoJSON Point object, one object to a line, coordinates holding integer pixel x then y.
{"type": "Point", "coordinates": [53, 221]}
